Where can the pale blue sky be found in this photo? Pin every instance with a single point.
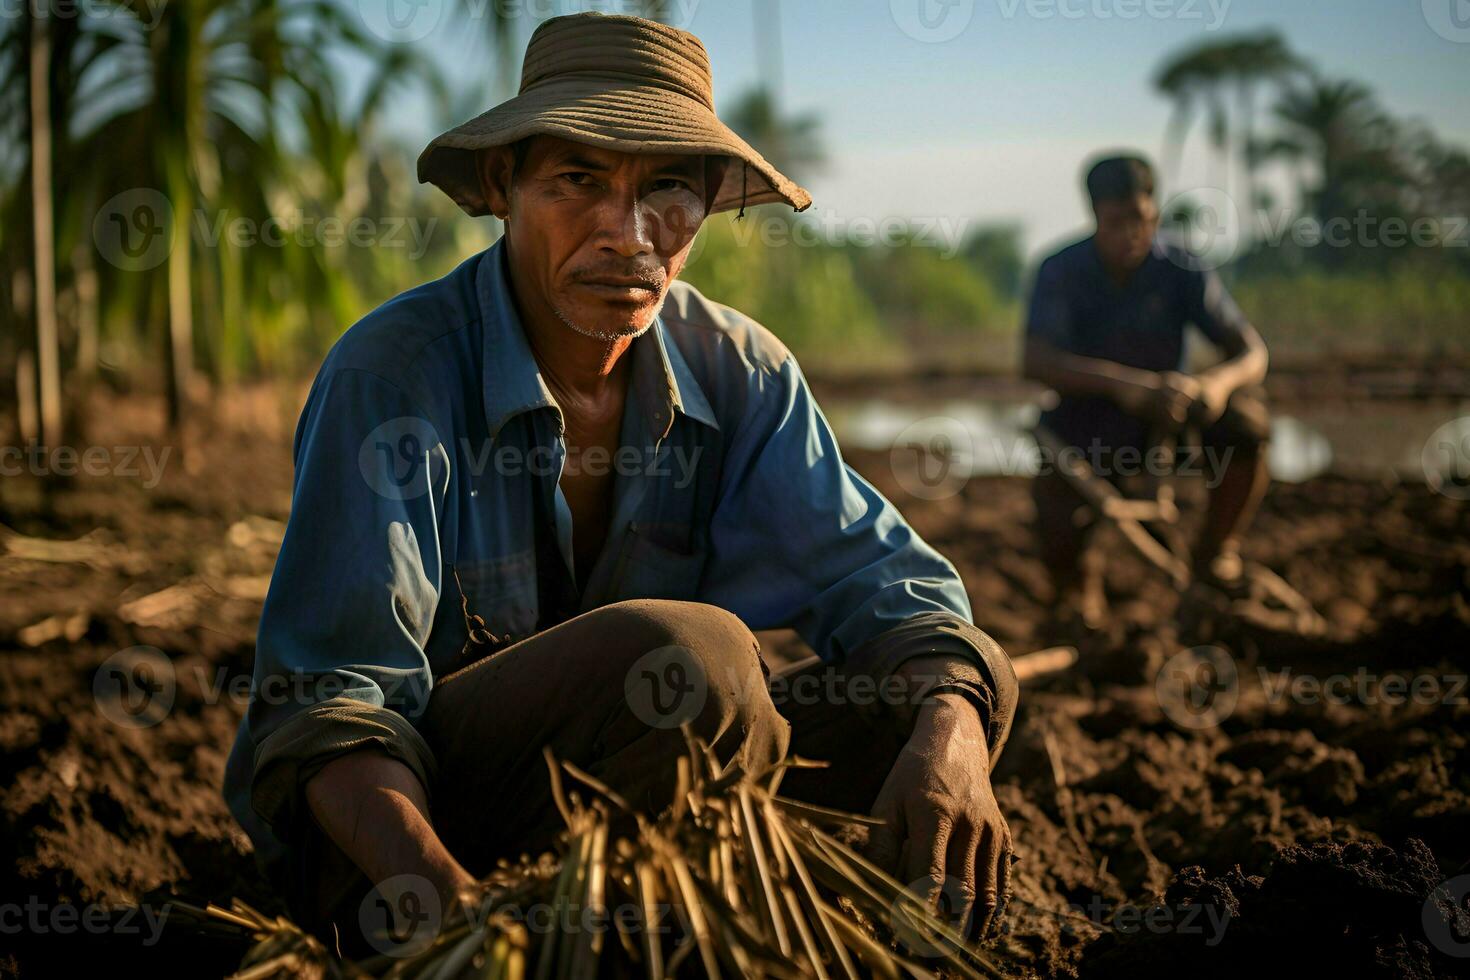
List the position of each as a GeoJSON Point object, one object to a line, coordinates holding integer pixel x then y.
{"type": "Point", "coordinates": [988, 114]}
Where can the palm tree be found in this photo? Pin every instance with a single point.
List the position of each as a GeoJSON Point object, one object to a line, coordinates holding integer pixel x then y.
{"type": "Point", "coordinates": [198, 106]}
{"type": "Point", "coordinates": [792, 143]}
{"type": "Point", "coordinates": [1201, 77]}
{"type": "Point", "coordinates": [1337, 129]}
{"type": "Point", "coordinates": [1193, 82]}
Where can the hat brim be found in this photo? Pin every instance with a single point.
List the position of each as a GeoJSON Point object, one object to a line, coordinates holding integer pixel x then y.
{"type": "Point", "coordinates": [623, 117]}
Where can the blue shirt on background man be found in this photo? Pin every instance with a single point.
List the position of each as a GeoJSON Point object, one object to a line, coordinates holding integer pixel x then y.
{"type": "Point", "coordinates": [1077, 308]}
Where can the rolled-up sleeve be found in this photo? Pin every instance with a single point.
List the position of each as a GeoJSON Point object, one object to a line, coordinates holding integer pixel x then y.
{"type": "Point", "coordinates": [340, 662]}
{"type": "Point", "coordinates": [1212, 309]}
{"type": "Point", "coordinates": [800, 540]}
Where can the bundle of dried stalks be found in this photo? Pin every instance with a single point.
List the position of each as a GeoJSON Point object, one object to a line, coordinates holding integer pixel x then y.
{"type": "Point", "coordinates": [732, 880]}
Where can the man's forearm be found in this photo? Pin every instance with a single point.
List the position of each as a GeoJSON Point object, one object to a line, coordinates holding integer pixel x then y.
{"type": "Point", "coordinates": [925, 673]}
{"type": "Point", "coordinates": [1073, 374]}
{"type": "Point", "coordinates": [936, 651]}
{"type": "Point", "coordinates": [375, 809]}
{"type": "Point", "coordinates": [1245, 368]}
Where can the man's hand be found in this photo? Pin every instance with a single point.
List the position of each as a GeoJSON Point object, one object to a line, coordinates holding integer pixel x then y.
{"type": "Point", "coordinates": [942, 821]}
{"type": "Point", "coordinates": [1214, 396]}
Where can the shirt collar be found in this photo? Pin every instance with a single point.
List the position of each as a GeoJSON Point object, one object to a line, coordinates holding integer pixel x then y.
{"type": "Point", "coordinates": [662, 381]}
{"type": "Point", "coordinates": [669, 385]}
{"type": "Point", "coordinates": [1156, 253]}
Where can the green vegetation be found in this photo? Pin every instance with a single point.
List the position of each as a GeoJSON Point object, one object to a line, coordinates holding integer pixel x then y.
{"type": "Point", "coordinates": [845, 305]}
{"type": "Point", "coordinates": [187, 193]}
{"type": "Point", "coordinates": [1403, 310]}
{"type": "Point", "coordinates": [1370, 251]}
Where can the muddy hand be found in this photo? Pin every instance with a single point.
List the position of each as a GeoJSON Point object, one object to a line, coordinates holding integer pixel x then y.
{"type": "Point", "coordinates": [944, 835]}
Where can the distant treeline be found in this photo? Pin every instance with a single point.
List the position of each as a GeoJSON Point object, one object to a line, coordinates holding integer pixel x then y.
{"type": "Point", "coordinates": [187, 194]}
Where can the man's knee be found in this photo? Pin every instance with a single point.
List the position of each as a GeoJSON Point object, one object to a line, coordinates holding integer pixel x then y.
{"type": "Point", "coordinates": [1245, 427]}
{"type": "Point", "coordinates": [693, 663]}
{"type": "Point", "coordinates": [715, 636]}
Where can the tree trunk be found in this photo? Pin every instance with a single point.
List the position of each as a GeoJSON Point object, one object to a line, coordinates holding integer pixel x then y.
{"type": "Point", "coordinates": [89, 314]}
{"type": "Point", "coordinates": [1174, 134]}
{"type": "Point", "coordinates": [180, 301]}
{"type": "Point", "coordinates": [48, 353]}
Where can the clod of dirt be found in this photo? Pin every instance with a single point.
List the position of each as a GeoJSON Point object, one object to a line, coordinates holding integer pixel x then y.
{"type": "Point", "coordinates": [1354, 909]}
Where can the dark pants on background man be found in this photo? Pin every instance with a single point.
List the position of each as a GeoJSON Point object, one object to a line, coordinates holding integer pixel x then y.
{"type": "Point", "coordinates": [1064, 521]}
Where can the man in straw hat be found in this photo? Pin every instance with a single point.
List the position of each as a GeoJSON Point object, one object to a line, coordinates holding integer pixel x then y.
{"type": "Point", "coordinates": [543, 501]}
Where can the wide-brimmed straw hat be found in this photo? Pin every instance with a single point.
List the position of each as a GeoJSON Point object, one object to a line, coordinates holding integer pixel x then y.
{"type": "Point", "coordinates": [624, 83]}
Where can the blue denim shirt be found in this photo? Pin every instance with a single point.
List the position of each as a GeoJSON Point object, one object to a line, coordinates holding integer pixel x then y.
{"type": "Point", "coordinates": [425, 444]}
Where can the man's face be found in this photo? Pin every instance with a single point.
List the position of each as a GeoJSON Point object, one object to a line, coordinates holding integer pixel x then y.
{"type": "Point", "coordinates": [596, 236]}
{"type": "Point", "coordinates": [1125, 230]}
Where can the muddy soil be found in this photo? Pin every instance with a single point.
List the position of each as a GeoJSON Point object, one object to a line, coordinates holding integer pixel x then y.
{"type": "Point", "coordinates": [1310, 822]}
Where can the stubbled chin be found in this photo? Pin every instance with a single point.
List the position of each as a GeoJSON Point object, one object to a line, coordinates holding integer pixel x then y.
{"type": "Point", "coordinates": [609, 320]}
{"type": "Point", "coordinates": [605, 323]}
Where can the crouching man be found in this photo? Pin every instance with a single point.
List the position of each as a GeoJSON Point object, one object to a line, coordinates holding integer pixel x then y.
{"type": "Point", "coordinates": [1106, 330]}
{"type": "Point", "coordinates": [544, 500]}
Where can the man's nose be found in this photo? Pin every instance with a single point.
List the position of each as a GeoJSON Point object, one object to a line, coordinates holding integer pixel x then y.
{"type": "Point", "coordinates": [627, 226]}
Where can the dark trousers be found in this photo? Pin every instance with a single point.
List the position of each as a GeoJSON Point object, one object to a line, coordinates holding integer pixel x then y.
{"type": "Point", "coordinates": [1064, 522]}
{"type": "Point", "coordinates": [607, 691]}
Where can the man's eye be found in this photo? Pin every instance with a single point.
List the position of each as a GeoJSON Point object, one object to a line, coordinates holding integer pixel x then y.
{"type": "Point", "coordinates": [577, 177]}
{"type": "Point", "coordinates": [671, 184]}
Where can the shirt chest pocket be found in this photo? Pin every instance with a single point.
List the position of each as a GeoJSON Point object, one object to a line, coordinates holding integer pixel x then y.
{"type": "Point", "coordinates": [660, 561]}
{"type": "Point", "coordinates": [502, 591]}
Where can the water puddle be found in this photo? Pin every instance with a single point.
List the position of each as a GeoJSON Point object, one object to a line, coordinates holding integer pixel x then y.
{"type": "Point", "coordinates": [991, 436]}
